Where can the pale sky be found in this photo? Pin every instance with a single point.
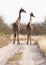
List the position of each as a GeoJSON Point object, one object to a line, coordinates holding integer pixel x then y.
{"type": "Point", "coordinates": [9, 10]}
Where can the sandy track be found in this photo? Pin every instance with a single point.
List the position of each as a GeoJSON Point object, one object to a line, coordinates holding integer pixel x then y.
{"type": "Point", "coordinates": [31, 54]}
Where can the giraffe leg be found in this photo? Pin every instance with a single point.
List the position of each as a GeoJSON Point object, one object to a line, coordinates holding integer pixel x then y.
{"type": "Point", "coordinates": [30, 38]}
{"type": "Point", "coordinates": [14, 38]}
{"type": "Point", "coordinates": [18, 38]}
{"type": "Point", "coordinates": [27, 38]}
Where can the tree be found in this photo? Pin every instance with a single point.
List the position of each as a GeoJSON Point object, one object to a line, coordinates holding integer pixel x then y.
{"type": "Point", "coordinates": [4, 28]}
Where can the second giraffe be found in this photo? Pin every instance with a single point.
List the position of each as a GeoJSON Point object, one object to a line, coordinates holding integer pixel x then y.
{"type": "Point", "coordinates": [29, 28]}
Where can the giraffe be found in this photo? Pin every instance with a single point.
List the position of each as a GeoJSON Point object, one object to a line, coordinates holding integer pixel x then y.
{"type": "Point", "coordinates": [16, 26]}
{"type": "Point", "coordinates": [29, 28]}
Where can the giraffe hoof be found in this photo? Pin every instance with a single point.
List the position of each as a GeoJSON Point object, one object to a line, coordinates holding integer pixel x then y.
{"type": "Point", "coordinates": [18, 43]}
{"type": "Point", "coordinates": [27, 43]}
{"type": "Point", "coordinates": [30, 43]}
{"type": "Point", "coordinates": [13, 42]}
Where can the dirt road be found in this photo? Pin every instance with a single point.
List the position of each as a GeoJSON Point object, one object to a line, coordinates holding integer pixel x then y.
{"type": "Point", "coordinates": [31, 54]}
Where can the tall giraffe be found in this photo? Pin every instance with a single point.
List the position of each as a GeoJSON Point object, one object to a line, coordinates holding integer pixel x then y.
{"type": "Point", "coordinates": [29, 28]}
{"type": "Point", "coordinates": [16, 26]}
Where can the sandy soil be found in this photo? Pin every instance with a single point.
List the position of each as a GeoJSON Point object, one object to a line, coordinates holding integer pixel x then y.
{"type": "Point", "coordinates": [29, 53]}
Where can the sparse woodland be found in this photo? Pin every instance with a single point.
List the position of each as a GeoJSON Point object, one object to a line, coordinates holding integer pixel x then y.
{"type": "Point", "coordinates": [38, 28]}
{"type": "Point", "coordinates": [4, 28]}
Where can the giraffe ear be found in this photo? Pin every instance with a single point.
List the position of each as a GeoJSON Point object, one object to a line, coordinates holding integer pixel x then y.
{"type": "Point", "coordinates": [21, 8]}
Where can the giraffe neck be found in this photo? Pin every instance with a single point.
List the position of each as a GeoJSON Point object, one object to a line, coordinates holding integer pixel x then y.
{"type": "Point", "coordinates": [19, 15]}
{"type": "Point", "coordinates": [19, 18]}
{"type": "Point", "coordinates": [30, 20]}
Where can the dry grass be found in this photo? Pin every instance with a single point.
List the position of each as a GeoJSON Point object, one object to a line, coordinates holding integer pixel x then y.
{"type": "Point", "coordinates": [4, 40]}
{"type": "Point", "coordinates": [16, 57]}
{"type": "Point", "coordinates": [40, 39]}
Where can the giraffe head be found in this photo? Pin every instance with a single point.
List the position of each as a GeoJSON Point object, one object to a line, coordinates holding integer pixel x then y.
{"type": "Point", "coordinates": [22, 10]}
{"type": "Point", "coordinates": [32, 15]}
